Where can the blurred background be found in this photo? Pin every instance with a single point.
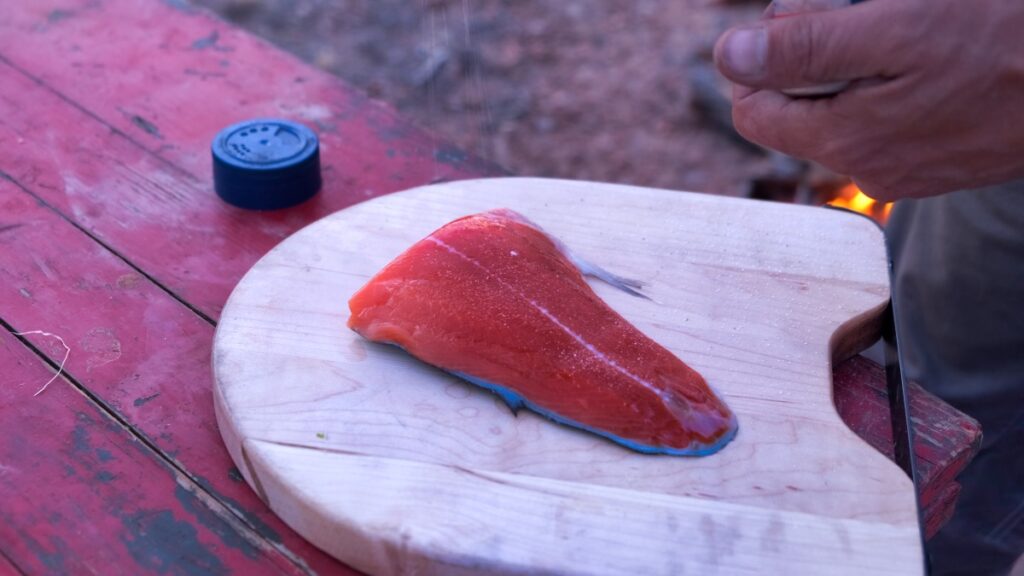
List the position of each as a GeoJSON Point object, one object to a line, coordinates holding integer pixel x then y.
{"type": "Point", "coordinates": [585, 89]}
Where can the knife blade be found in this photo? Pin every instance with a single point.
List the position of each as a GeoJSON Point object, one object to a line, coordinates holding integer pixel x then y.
{"type": "Point", "coordinates": [901, 418]}
{"type": "Point", "coordinates": [899, 403]}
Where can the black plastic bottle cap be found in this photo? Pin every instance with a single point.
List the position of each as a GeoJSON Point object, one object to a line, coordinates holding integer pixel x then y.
{"type": "Point", "coordinates": [266, 164]}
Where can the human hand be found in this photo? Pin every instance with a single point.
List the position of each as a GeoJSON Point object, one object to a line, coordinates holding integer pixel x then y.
{"type": "Point", "coordinates": [936, 102]}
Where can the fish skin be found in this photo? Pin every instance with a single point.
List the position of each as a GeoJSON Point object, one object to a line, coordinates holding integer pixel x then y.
{"type": "Point", "coordinates": [516, 402]}
{"type": "Point", "coordinates": [447, 297]}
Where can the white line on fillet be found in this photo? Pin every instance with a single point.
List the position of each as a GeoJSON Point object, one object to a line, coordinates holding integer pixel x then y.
{"type": "Point", "coordinates": [547, 314]}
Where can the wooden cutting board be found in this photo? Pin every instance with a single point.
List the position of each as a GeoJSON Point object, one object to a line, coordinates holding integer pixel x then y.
{"type": "Point", "coordinates": [395, 467]}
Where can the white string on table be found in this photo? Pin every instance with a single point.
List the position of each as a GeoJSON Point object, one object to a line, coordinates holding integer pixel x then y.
{"type": "Point", "coordinates": [67, 353]}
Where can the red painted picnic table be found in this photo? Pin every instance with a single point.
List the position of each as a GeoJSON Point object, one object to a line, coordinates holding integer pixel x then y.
{"type": "Point", "coordinates": [113, 240]}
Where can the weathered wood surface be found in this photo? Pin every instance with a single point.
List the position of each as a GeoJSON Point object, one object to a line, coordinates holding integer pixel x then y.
{"type": "Point", "coordinates": [137, 111]}
{"type": "Point", "coordinates": [82, 495]}
{"type": "Point", "coordinates": [144, 353]}
{"type": "Point", "coordinates": [944, 443]}
{"type": "Point", "coordinates": [144, 356]}
{"type": "Point", "coordinates": [127, 254]}
{"type": "Point", "coordinates": [7, 567]}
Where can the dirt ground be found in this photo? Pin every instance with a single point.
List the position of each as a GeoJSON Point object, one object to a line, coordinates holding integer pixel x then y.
{"type": "Point", "coordinates": [584, 89]}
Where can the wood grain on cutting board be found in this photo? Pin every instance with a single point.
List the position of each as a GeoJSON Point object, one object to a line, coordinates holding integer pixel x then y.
{"type": "Point", "coordinates": [396, 467]}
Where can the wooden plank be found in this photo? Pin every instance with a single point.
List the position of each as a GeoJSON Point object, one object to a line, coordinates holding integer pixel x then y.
{"type": "Point", "coordinates": [102, 179]}
{"type": "Point", "coordinates": [209, 74]}
{"type": "Point", "coordinates": [941, 510]}
{"type": "Point", "coordinates": [439, 529]}
{"type": "Point", "coordinates": [945, 439]}
{"type": "Point", "coordinates": [790, 286]}
{"type": "Point", "coordinates": [142, 352]}
{"type": "Point", "coordinates": [150, 148]}
{"type": "Point", "coordinates": [7, 567]}
{"type": "Point", "coordinates": [83, 496]}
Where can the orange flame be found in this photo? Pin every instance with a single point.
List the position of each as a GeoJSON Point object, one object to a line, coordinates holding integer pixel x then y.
{"type": "Point", "coordinates": [851, 198]}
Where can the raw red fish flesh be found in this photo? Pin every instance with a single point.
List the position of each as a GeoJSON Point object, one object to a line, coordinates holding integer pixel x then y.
{"type": "Point", "coordinates": [495, 300]}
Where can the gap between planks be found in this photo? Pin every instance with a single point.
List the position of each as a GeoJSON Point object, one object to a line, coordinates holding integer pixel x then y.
{"type": "Point", "coordinates": [7, 565]}
{"type": "Point", "coordinates": [137, 144]}
{"type": "Point", "coordinates": [233, 517]}
{"type": "Point", "coordinates": [109, 248]}
{"type": "Point", "coordinates": [223, 510]}
{"type": "Point", "coordinates": [229, 513]}
{"type": "Point", "coordinates": [113, 129]}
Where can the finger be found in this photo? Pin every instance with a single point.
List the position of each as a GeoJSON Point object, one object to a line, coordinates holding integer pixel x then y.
{"type": "Point", "coordinates": [796, 127]}
{"type": "Point", "coordinates": [862, 41]}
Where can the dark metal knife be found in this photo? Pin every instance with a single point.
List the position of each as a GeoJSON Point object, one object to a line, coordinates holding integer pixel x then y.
{"type": "Point", "coordinates": [898, 391]}
{"type": "Point", "coordinates": [899, 403]}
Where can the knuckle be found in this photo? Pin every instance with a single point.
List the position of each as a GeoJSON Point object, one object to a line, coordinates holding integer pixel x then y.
{"type": "Point", "coordinates": [745, 120]}
{"type": "Point", "coordinates": [801, 49]}
{"type": "Point", "coordinates": [758, 126]}
{"type": "Point", "coordinates": [794, 141]}
{"type": "Point", "coordinates": [846, 147]}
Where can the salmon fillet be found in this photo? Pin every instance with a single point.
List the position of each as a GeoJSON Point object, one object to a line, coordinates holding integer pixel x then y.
{"type": "Point", "coordinates": [493, 299]}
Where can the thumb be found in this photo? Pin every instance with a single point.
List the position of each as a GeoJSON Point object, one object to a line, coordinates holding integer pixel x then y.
{"type": "Point", "coordinates": [860, 41]}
